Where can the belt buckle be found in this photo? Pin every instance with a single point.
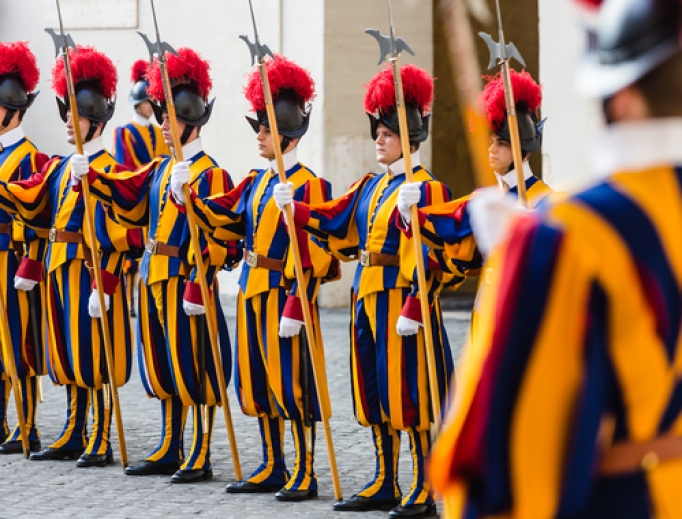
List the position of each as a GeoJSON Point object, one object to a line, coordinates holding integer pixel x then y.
{"type": "Point", "coordinates": [52, 235]}
{"type": "Point", "coordinates": [252, 259]}
{"type": "Point", "coordinates": [364, 258]}
{"type": "Point", "coordinates": [152, 246]}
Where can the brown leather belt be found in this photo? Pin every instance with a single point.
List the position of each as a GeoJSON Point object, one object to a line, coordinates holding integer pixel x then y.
{"type": "Point", "coordinates": [64, 236]}
{"type": "Point", "coordinates": [156, 247]}
{"type": "Point", "coordinates": [628, 457]}
{"type": "Point", "coordinates": [254, 260]}
{"type": "Point", "coordinates": [5, 228]}
{"type": "Point", "coordinates": [376, 259]}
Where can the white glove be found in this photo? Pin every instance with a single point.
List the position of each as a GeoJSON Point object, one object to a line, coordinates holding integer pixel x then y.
{"type": "Point", "coordinates": [80, 165]}
{"type": "Point", "coordinates": [179, 177]}
{"type": "Point", "coordinates": [409, 194]}
{"type": "Point", "coordinates": [24, 284]}
{"type": "Point", "coordinates": [289, 327]}
{"type": "Point", "coordinates": [193, 308]}
{"type": "Point", "coordinates": [406, 326]}
{"type": "Point", "coordinates": [490, 211]}
{"type": "Point", "coordinates": [93, 304]}
{"type": "Point", "coordinates": [284, 196]}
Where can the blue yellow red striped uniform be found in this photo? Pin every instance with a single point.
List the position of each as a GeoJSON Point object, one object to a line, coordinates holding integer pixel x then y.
{"type": "Point", "coordinates": [19, 158]}
{"type": "Point", "coordinates": [168, 343]}
{"type": "Point", "coordinates": [580, 328]}
{"type": "Point", "coordinates": [269, 369]}
{"type": "Point", "coordinates": [389, 376]}
{"type": "Point", "coordinates": [75, 356]}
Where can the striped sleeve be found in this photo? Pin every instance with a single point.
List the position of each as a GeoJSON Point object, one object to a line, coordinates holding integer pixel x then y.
{"type": "Point", "coordinates": [537, 380]}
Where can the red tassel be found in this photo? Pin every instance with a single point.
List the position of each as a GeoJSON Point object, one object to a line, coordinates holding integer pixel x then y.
{"type": "Point", "coordinates": [139, 70]}
{"type": "Point", "coordinates": [88, 64]}
{"type": "Point", "coordinates": [17, 58]}
{"type": "Point", "coordinates": [283, 74]}
{"type": "Point", "coordinates": [527, 94]}
{"type": "Point", "coordinates": [187, 68]}
{"type": "Point", "coordinates": [417, 87]}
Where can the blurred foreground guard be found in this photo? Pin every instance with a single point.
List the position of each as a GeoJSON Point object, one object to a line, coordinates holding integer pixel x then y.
{"type": "Point", "coordinates": [569, 404]}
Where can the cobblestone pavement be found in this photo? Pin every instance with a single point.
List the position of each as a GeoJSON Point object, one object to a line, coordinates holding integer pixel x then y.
{"type": "Point", "coordinates": [60, 490]}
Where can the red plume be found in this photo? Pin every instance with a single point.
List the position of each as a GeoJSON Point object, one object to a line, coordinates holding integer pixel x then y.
{"type": "Point", "coordinates": [417, 87]}
{"type": "Point", "coordinates": [592, 5]}
{"type": "Point", "coordinates": [527, 94]}
{"type": "Point", "coordinates": [139, 70]}
{"type": "Point", "coordinates": [187, 68]}
{"type": "Point", "coordinates": [17, 58]}
{"type": "Point", "coordinates": [283, 74]}
{"type": "Point", "coordinates": [87, 64]}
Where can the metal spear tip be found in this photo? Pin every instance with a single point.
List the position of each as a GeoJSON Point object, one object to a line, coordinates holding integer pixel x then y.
{"type": "Point", "coordinates": [59, 40]}
{"type": "Point", "coordinates": [388, 46]}
{"type": "Point", "coordinates": [258, 51]}
{"type": "Point", "coordinates": [155, 47]}
{"type": "Point", "coordinates": [500, 53]}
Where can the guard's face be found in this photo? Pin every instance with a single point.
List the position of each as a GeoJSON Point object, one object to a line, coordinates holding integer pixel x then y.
{"type": "Point", "coordinates": [70, 132]}
{"type": "Point", "coordinates": [388, 147]}
{"type": "Point", "coordinates": [144, 109]}
{"type": "Point", "coordinates": [499, 155]}
{"type": "Point", "coordinates": [166, 131]}
{"type": "Point", "coordinates": [264, 139]}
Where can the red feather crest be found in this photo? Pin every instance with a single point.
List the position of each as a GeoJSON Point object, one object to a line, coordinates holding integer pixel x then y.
{"type": "Point", "coordinates": [187, 68]}
{"type": "Point", "coordinates": [592, 5]}
{"type": "Point", "coordinates": [283, 74]}
{"type": "Point", "coordinates": [139, 70]}
{"type": "Point", "coordinates": [87, 64]}
{"type": "Point", "coordinates": [17, 58]}
{"type": "Point", "coordinates": [417, 87]}
{"type": "Point", "coordinates": [527, 94]}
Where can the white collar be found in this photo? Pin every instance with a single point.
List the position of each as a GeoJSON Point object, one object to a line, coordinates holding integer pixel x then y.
{"type": "Point", "coordinates": [631, 146]}
{"type": "Point", "coordinates": [93, 146]}
{"type": "Point", "coordinates": [139, 120]}
{"type": "Point", "coordinates": [290, 160]}
{"type": "Point", "coordinates": [510, 178]}
{"type": "Point", "coordinates": [11, 137]}
{"type": "Point", "coordinates": [190, 149]}
{"type": "Point", "coordinates": [398, 167]}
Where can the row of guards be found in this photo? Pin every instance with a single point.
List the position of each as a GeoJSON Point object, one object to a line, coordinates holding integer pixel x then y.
{"type": "Point", "coordinates": [541, 425]}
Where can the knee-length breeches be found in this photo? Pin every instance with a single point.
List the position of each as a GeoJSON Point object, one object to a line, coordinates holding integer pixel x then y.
{"type": "Point", "coordinates": [388, 372]}
{"type": "Point", "coordinates": [75, 345]}
{"type": "Point", "coordinates": [169, 349]}
{"type": "Point", "coordinates": [268, 373]}
{"type": "Point", "coordinates": [28, 348]}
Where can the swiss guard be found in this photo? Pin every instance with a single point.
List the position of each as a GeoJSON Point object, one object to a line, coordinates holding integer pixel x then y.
{"type": "Point", "coordinates": [270, 372]}
{"type": "Point", "coordinates": [136, 144]}
{"type": "Point", "coordinates": [172, 325]}
{"type": "Point", "coordinates": [22, 249]}
{"type": "Point", "coordinates": [388, 362]}
{"type": "Point", "coordinates": [569, 402]}
{"type": "Point", "coordinates": [46, 201]}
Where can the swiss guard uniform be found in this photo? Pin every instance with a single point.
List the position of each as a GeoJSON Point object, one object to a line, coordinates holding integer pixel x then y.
{"type": "Point", "coordinates": [75, 357]}
{"type": "Point", "coordinates": [135, 144]}
{"type": "Point", "coordinates": [388, 370]}
{"type": "Point", "coordinates": [569, 404]}
{"type": "Point", "coordinates": [170, 338]}
{"type": "Point", "coordinates": [269, 370]}
{"type": "Point", "coordinates": [21, 249]}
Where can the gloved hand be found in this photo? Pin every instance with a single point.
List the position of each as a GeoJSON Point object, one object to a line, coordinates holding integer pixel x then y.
{"type": "Point", "coordinates": [93, 304]}
{"type": "Point", "coordinates": [80, 166]}
{"type": "Point", "coordinates": [179, 177]}
{"type": "Point", "coordinates": [289, 327]}
{"type": "Point", "coordinates": [408, 195]}
{"type": "Point", "coordinates": [193, 308]}
{"type": "Point", "coordinates": [490, 211]}
{"type": "Point", "coordinates": [24, 284]}
{"type": "Point", "coordinates": [407, 327]}
{"type": "Point", "coordinates": [284, 196]}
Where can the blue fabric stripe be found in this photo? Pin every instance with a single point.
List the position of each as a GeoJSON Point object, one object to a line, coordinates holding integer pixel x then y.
{"type": "Point", "coordinates": [535, 283]}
